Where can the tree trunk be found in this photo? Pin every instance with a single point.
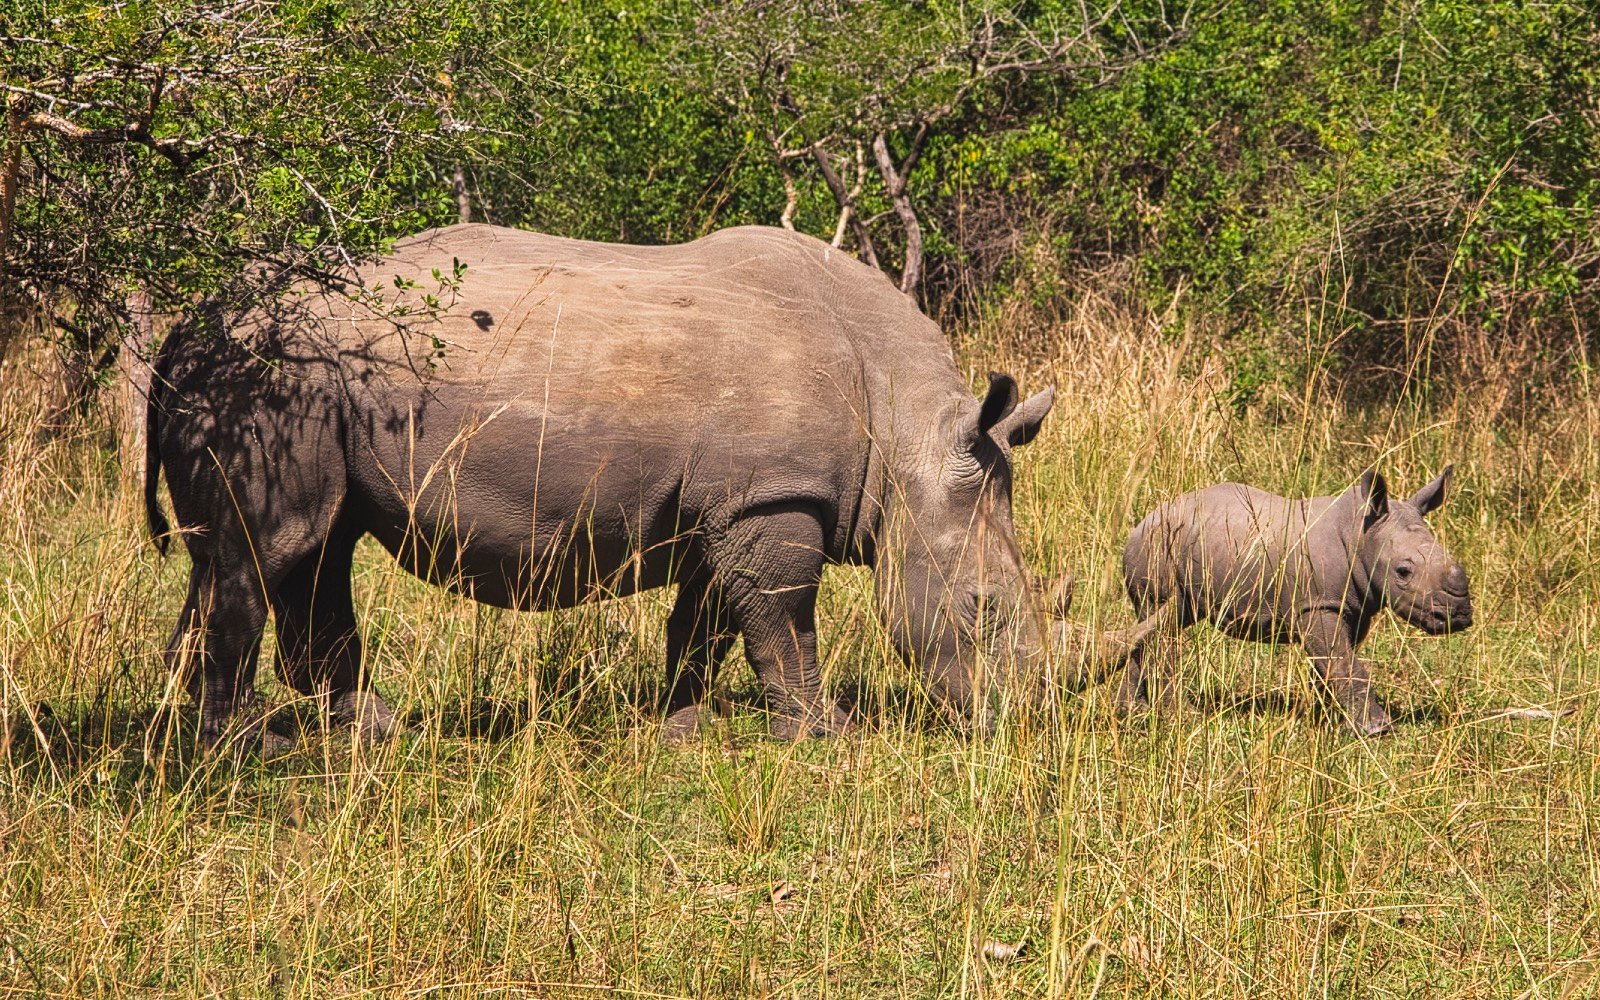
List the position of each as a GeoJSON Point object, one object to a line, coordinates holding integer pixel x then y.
{"type": "Point", "coordinates": [132, 390]}
{"type": "Point", "coordinates": [458, 181]}
{"type": "Point", "coordinates": [10, 172]}
{"type": "Point", "coordinates": [895, 181]}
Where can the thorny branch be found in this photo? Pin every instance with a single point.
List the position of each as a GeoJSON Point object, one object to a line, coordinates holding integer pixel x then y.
{"type": "Point", "coordinates": [179, 152]}
{"type": "Point", "coordinates": [945, 60]}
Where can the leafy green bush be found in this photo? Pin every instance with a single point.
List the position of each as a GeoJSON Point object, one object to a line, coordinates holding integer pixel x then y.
{"type": "Point", "coordinates": [1402, 170]}
{"type": "Point", "coordinates": [1415, 184]}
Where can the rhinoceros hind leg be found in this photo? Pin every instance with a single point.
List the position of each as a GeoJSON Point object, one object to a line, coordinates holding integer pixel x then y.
{"type": "Point", "coordinates": [254, 465]}
{"type": "Point", "coordinates": [768, 565]}
{"type": "Point", "coordinates": [319, 642]}
{"type": "Point", "coordinates": [215, 645]}
{"type": "Point", "coordinates": [699, 635]}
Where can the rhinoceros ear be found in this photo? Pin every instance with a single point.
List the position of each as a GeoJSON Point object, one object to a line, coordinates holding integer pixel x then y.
{"type": "Point", "coordinates": [1024, 422]}
{"type": "Point", "coordinates": [1432, 496]}
{"type": "Point", "coordinates": [1001, 417]}
{"type": "Point", "coordinates": [1371, 493]}
{"type": "Point", "coordinates": [995, 406]}
{"type": "Point", "coordinates": [998, 402]}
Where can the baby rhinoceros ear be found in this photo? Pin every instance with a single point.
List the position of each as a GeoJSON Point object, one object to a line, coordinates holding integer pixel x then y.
{"type": "Point", "coordinates": [1371, 493]}
{"type": "Point", "coordinates": [1432, 496]}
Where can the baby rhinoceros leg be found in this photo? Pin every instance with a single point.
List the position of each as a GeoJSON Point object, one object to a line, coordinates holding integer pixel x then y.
{"type": "Point", "coordinates": [1342, 676]}
{"type": "Point", "coordinates": [1151, 675]}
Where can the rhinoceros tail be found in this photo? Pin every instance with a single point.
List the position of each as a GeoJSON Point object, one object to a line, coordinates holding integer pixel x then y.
{"type": "Point", "coordinates": [159, 527]}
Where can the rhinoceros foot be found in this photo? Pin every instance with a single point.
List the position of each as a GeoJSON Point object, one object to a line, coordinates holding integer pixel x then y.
{"type": "Point", "coordinates": [1146, 690]}
{"type": "Point", "coordinates": [242, 731]}
{"type": "Point", "coordinates": [800, 723]}
{"type": "Point", "coordinates": [1368, 718]}
{"type": "Point", "coordinates": [248, 735]}
{"type": "Point", "coordinates": [685, 723]}
{"type": "Point", "coordinates": [366, 712]}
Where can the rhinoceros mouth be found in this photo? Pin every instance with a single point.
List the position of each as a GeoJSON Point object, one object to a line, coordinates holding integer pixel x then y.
{"type": "Point", "coordinates": [1442, 622]}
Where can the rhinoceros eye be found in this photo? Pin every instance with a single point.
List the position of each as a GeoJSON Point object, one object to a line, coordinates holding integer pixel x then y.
{"type": "Point", "coordinates": [988, 615]}
{"type": "Point", "coordinates": [983, 608]}
{"type": "Point", "coordinates": [1404, 571]}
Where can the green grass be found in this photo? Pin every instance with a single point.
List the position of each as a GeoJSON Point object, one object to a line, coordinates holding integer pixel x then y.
{"type": "Point", "coordinates": [527, 835]}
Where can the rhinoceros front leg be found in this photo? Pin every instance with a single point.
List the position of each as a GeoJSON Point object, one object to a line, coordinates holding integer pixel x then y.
{"type": "Point", "coordinates": [699, 634]}
{"type": "Point", "coordinates": [1151, 676]}
{"type": "Point", "coordinates": [768, 565]}
{"type": "Point", "coordinates": [1341, 675]}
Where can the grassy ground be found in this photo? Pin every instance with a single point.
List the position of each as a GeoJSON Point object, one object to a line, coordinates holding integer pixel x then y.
{"type": "Point", "coordinates": [528, 836]}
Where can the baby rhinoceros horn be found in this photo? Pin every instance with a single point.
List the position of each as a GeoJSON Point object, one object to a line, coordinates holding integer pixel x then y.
{"type": "Point", "coordinates": [1085, 656]}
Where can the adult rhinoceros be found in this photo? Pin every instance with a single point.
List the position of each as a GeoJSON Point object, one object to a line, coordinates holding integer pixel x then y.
{"type": "Point", "coordinates": [562, 421]}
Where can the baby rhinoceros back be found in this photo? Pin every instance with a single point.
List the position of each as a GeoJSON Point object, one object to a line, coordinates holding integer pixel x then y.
{"type": "Point", "coordinates": [1311, 570]}
{"type": "Point", "coordinates": [1231, 554]}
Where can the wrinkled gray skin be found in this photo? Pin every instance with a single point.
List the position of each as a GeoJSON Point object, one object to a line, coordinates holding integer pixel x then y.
{"type": "Point", "coordinates": [727, 415]}
{"type": "Point", "coordinates": [1310, 571]}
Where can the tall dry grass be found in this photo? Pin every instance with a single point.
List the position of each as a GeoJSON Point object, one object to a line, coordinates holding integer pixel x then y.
{"type": "Point", "coordinates": [528, 836]}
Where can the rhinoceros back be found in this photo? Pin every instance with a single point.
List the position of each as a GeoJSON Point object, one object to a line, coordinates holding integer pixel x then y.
{"type": "Point", "coordinates": [1230, 553]}
{"type": "Point", "coordinates": [515, 399]}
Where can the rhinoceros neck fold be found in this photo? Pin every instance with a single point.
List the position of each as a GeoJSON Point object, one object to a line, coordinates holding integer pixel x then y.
{"type": "Point", "coordinates": [1336, 545]}
{"type": "Point", "coordinates": [911, 408]}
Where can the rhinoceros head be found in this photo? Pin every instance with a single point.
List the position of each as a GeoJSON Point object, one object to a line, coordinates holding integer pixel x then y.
{"type": "Point", "coordinates": [952, 584]}
{"type": "Point", "coordinates": [1405, 564]}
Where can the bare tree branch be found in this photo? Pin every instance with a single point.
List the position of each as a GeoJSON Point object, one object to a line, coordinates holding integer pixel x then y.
{"type": "Point", "coordinates": [827, 73]}
{"type": "Point", "coordinates": [791, 194]}
{"type": "Point", "coordinates": [179, 152]}
{"type": "Point", "coordinates": [846, 212]}
{"type": "Point", "coordinates": [895, 181]}
{"type": "Point", "coordinates": [846, 201]}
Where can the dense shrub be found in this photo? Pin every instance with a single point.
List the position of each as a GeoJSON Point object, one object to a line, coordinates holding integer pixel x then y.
{"type": "Point", "coordinates": [1411, 183]}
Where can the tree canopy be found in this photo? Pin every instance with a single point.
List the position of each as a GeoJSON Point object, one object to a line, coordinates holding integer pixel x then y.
{"type": "Point", "coordinates": [1401, 169]}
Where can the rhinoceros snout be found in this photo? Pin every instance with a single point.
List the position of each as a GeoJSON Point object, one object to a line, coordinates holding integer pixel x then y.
{"type": "Point", "coordinates": [1445, 607]}
{"type": "Point", "coordinates": [1456, 616]}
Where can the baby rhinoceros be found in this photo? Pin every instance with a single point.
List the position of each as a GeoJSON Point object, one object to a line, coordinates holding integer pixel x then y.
{"type": "Point", "coordinates": [1314, 571]}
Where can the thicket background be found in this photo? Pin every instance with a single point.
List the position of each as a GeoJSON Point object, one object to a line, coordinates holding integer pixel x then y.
{"type": "Point", "coordinates": [1412, 182]}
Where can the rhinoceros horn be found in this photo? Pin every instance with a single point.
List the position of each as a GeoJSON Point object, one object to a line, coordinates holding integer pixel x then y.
{"type": "Point", "coordinates": [1083, 655]}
